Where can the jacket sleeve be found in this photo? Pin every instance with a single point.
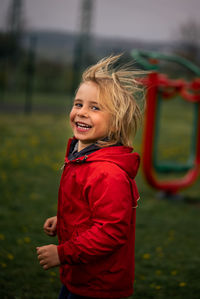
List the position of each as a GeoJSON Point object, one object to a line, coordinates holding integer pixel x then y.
{"type": "Point", "coordinates": [110, 200]}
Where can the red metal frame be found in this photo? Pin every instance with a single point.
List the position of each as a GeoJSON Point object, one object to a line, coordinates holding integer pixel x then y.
{"type": "Point", "coordinates": [191, 93]}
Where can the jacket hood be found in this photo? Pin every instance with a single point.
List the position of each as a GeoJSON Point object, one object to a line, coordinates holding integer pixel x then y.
{"type": "Point", "coordinates": [122, 156]}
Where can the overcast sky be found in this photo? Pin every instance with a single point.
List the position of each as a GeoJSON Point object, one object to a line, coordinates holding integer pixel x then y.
{"type": "Point", "coordinates": [144, 19]}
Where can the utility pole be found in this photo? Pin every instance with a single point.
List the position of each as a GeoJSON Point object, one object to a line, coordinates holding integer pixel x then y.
{"type": "Point", "coordinates": [82, 52]}
{"type": "Point", "coordinates": [15, 22]}
{"type": "Point", "coordinates": [15, 26]}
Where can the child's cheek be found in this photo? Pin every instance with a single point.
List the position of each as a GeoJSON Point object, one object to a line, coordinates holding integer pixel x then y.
{"type": "Point", "coordinates": [71, 118]}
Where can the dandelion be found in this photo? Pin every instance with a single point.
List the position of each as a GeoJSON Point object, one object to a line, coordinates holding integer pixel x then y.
{"type": "Point", "coordinates": [52, 273]}
{"type": "Point", "coordinates": [2, 237]}
{"type": "Point", "coordinates": [3, 176]}
{"type": "Point", "coordinates": [34, 140]}
{"type": "Point", "coordinates": [146, 256]}
{"type": "Point", "coordinates": [27, 240]}
{"type": "Point", "coordinates": [142, 277]}
{"type": "Point", "coordinates": [15, 162]}
{"type": "Point", "coordinates": [3, 265]}
{"type": "Point", "coordinates": [10, 256]}
{"type": "Point", "coordinates": [34, 196]}
{"type": "Point", "coordinates": [158, 249]}
{"type": "Point", "coordinates": [171, 235]}
{"type": "Point", "coordinates": [158, 272]}
{"type": "Point", "coordinates": [182, 284]}
{"type": "Point", "coordinates": [174, 273]}
{"type": "Point", "coordinates": [152, 285]}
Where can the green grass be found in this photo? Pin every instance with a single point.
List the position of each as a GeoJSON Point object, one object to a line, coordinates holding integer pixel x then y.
{"type": "Point", "coordinates": [176, 124]}
{"type": "Point", "coordinates": [31, 154]}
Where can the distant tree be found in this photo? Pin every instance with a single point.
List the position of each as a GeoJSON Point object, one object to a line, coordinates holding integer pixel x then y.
{"type": "Point", "coordinates": [189, 33]}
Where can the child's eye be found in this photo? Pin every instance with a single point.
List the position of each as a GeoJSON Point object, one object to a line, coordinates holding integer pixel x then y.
{"type": "Point", "coordinates": [79, 105]}
{"type": "Point", "coordinates": [95, 108]}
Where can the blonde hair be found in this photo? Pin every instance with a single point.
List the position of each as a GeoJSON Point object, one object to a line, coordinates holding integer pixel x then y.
{"type": "Point", "coordinates": [118, 93]}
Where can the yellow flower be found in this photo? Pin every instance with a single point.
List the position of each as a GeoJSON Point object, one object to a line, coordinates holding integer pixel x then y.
{"type": "Point", "coordinates": [34, 196]}
{"type": "Point", "coordinates": [146, 256]}
{"type": "Point", "coordinates": [182, 284]}
{"type": "Point", "coordinates": [3, 265]}
{"type": "Point", "coordinates": [2, 237]}
{"type": "Point", "coordinates": [158, 272]}
{"type": "Point", "coordinates": [152, 285]}
{"type": "Point", "coordinates": [27, 240]}
{"type": "Point", "coordinates": [158, 249]}
{"type": "Point", "coordinates": [52, 273]}
{"type": "Point", "coordinates": [171, 234]}
{"type": "Point", "coordinates": [3, 176]}
{"type": "Point", "coordinates": [15, 162]}
{"type": "Point", "coordinates": [142, 277]}
{"type": "Point", "coordinates": [174, 272]}
{"type": "Point", "coordinates": [10, 256]}
{"type": "Point", "coordinates": [34, 140]}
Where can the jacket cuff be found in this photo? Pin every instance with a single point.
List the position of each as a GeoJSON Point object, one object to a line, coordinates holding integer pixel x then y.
{"type": "Point", "coordinates": [61, 254]}
{"type": "Point", "coordinates": [67, 253]}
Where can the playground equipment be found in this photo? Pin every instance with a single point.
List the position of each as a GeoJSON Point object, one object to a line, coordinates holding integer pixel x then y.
{"type": "Point", "coordinates": [159, 88]}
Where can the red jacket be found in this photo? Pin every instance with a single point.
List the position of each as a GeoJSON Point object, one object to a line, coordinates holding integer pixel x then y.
{"type": "Point", "coordinates": [96, 222]}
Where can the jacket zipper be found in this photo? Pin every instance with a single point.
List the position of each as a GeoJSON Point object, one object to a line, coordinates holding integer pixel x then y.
{"type": "Point", "coordinates": [75, 161]}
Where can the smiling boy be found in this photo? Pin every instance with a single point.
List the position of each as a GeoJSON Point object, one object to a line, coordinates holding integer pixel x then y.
{"type": "Point", "coordinates": [95, 221]}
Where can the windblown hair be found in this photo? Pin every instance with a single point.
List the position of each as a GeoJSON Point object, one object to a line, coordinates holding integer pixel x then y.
{"type": "Point", "coordinates": [118, 93]}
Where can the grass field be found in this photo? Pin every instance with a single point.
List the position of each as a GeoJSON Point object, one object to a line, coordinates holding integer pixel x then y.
{"type": "Point", "coordinates": [32, 149]}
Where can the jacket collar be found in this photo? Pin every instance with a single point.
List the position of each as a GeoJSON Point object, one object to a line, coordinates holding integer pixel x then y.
{"type": "Point", "coordinates": [73, 150]}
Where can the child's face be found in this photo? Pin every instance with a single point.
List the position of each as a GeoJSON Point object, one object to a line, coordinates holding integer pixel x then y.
{"type": "Point", "coordinates": [88, 120]}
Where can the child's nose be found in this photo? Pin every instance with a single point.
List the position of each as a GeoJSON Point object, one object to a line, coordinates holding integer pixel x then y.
{"type": "Point", "coordinates": [83, 112]}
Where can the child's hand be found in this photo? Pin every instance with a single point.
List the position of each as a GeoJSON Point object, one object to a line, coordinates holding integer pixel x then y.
{"type": "Point", "coordinates": [50, 226]}
{"type": "Point", "coordinates": [48, 256]}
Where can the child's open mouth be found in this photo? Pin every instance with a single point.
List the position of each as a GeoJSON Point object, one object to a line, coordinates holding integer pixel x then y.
{"type": "Point", "coordinates": [82, 126]}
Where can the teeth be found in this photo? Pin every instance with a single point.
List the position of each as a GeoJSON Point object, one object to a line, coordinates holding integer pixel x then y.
{"type": "Point", "coordinates": [83, 125]}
